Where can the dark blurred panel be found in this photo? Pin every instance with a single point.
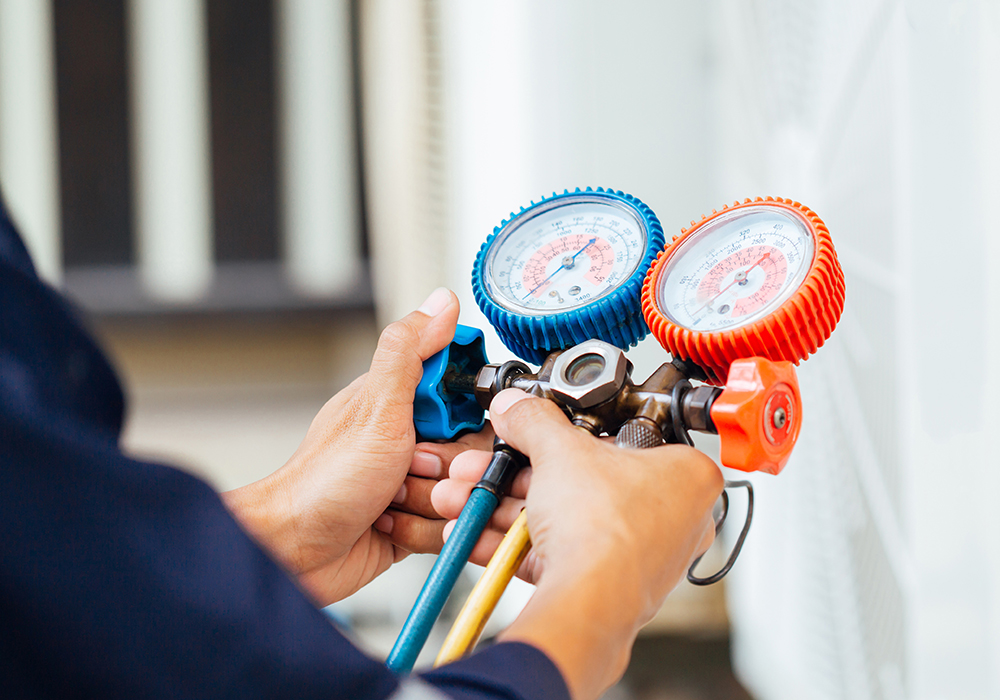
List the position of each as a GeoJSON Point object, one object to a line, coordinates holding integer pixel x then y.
{"type": "Point", "coordinates": [93, 131]}
{"type": "Point", "coordinates": [241, 75]}
{"type": "Point", "coordinates": [359, 141]}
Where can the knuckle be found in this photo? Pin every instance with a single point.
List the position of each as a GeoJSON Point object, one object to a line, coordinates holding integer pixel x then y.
{"type": "Point", "coordinates": [403, 531]}
{"type": "Point", "coordinates": [415, 535]}
{"type": "Point", "coordinates": [707, 474]}
{"type": "Point", "coordinates": [697, 470]}
{"type": "Point", "coordinates": [397, 338]}
{"type": "Point", "coordinates": [396, 358]}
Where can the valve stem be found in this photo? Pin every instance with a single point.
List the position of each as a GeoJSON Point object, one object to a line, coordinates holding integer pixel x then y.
{"type": "Point", "coordinates": [459, 383]}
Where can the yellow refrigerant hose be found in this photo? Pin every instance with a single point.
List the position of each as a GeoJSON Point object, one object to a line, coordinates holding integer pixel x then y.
{"type": "Point", "coordinates": [484, 597]}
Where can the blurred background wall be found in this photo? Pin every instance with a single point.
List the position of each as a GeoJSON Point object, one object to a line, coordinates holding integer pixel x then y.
{"type": "Point", "coordinates": [239, 194]}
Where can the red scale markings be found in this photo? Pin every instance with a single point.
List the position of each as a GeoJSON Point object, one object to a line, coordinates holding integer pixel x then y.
{"type": "Point", "coordinates": [768, 258]}
{"type": "Point", "coordinates": [599, 256]}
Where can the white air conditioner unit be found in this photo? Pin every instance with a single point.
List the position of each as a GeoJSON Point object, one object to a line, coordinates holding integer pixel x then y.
{"type": "Point", "coordinates": [872, 572]}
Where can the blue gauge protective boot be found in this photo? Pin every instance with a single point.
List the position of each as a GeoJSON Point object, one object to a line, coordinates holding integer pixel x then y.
{"type": "Point", "coordinates": [567, 269]}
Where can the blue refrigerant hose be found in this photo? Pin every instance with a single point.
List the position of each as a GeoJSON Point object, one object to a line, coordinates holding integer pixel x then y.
{"type": "Point", "coordinates": [455, 553]}
{"type": "Point", "coordinates": [437, 587]}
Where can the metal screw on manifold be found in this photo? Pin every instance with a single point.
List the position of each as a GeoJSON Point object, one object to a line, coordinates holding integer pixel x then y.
{"type": "Point", "coordinates": [779, 418]}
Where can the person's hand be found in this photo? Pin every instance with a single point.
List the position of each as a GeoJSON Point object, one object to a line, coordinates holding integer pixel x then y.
{"type": "Point", "coordinates": [613, 531]}
{"type": "Point", "coordinates": [355, 496]}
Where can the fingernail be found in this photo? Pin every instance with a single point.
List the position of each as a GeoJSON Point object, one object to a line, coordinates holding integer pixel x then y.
{"type": "Point", "coordinates": [400, 495]}
{"type": "Point", "coordinates": [438, 301]}
{"type": "Point", "coordinates": [426, 464]}
{"type": "Point", "coordinates": [505, 399]}
{"type": "Point", "coordinates": [384, 523]}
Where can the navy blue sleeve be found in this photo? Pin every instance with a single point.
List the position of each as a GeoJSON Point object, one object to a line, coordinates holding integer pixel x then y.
{"type": "Point", "coordinates": [508, 670]}
{"type": "Point", "coordinates": [122, 578]}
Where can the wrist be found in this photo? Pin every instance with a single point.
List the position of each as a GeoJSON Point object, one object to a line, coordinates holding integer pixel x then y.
{"type": "Point", "coordinates": [263, 510]}
{"type": "Point", "coordinates": [591, 650]}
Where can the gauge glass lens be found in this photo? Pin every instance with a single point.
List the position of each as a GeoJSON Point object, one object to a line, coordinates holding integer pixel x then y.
{"type": "Point", "coordinates": [736, 270]}
{"type": "Point", "coordinates": [563, 255]}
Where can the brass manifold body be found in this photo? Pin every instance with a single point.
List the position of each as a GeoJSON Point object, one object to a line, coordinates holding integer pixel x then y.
{"type": "Point", "coordinates": [592, 384]}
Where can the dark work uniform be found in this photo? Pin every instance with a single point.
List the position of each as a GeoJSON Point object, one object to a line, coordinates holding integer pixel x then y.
{"type": "Point", "coordinates": [121, 578]}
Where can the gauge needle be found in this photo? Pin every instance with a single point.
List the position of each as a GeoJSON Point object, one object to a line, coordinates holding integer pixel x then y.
{"type": "Point", "coordinates": [567, 263]}
{"type": "Point", "coordinates": [740, 276]}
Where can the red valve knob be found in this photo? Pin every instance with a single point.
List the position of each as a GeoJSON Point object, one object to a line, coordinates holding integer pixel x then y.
{"type": "Point", "coordinates": [758, 415]}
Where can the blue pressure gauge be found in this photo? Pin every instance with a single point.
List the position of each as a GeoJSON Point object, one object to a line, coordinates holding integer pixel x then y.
{"type": "Point", "coordinates": [567, 269]}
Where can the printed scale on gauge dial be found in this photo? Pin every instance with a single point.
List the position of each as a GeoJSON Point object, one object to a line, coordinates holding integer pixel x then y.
{"type": "Point", "coordinates": [737, 270]}
{"type": "Point", "coordinates": [565, 256]}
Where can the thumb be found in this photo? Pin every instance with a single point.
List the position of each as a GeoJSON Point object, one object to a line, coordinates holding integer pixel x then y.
{"type": "Point", "coordinates": [531, 425]}
{"type": "Point", "coordinates": [404, 345]}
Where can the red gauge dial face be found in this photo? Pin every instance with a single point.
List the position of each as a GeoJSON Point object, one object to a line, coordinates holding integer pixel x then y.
{"type": "Point", "coordinates": [744, 282]}
{"type": "Point", "coordinates": [736, 270]}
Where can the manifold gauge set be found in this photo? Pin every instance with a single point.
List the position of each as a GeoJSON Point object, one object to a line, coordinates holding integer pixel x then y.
{"type": "Point", "coordinates": [571, 282]}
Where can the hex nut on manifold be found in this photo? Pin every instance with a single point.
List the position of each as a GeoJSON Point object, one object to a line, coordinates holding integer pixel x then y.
{"type": "Point", "coordinates": [588, 374]}
{"type": "Point", "coordinates": [492, 379]}
{"type": "Point", "coordinates": [484, 385]}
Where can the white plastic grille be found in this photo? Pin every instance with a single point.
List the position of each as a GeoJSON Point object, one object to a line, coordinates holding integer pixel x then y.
{"type": "Point", "coordinates": [817, 77]}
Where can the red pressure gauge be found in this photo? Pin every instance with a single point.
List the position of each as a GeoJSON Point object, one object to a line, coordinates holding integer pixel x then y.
{"type": "Point", "coordinates": [757, 279]}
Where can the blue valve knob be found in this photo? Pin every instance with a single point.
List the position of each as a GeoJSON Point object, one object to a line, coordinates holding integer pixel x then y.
{"type": "Point", "coordinates": [440, 411]}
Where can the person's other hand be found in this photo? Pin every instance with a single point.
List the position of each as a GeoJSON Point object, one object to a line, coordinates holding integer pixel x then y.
{"type": "Point", "coordinates": [613, 531]}
{"type": "Point", "coordinates": [355, 496]}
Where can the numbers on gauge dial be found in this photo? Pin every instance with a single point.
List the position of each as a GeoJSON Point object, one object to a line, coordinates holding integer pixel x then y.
{"type": "Point", "coordinates": [565, 258]}
{"type": "Point", "coordinates": [737, 271]}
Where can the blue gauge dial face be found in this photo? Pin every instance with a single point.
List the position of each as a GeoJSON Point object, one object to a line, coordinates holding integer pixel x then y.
{"type": "Point", "coordinates": [564, 254]}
